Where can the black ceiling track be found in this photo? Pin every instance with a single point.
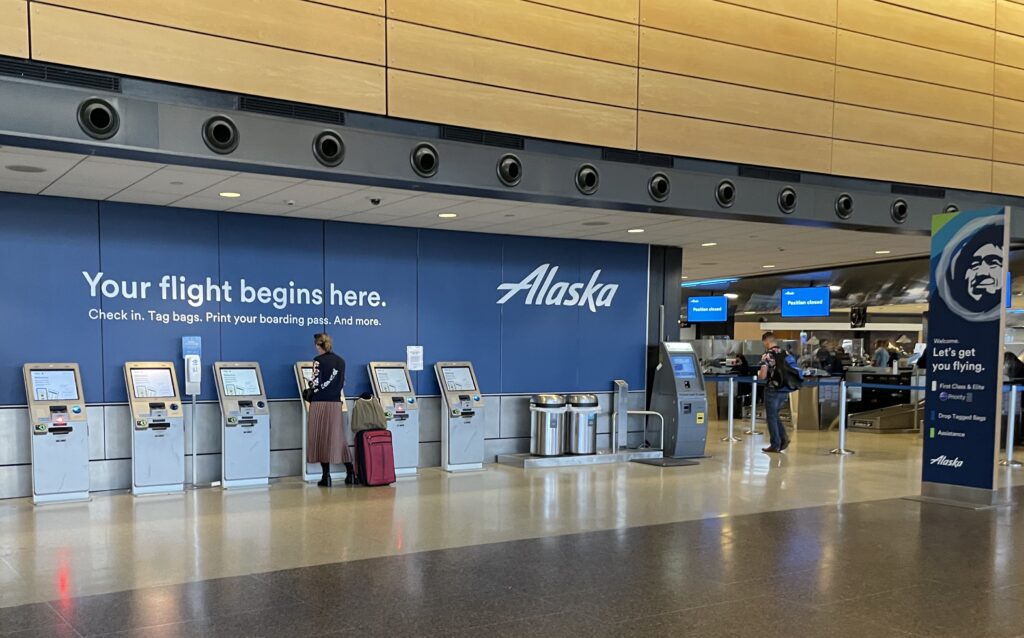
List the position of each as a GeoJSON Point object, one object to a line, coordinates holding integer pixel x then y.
{"type": "Point", "coordinates": [282, 108]}
{"type": "Point", "coordinates": [486, 138]}
{"type": "Point", "coordinates": [13, 67]}
{"type": "Point", "coordinates": [636, 157]}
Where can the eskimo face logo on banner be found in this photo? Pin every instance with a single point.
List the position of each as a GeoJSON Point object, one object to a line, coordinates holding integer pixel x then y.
{"type": "Point", "coordinates": [544, 291]}
{"type": "Point", "coordinates": [971, 272]}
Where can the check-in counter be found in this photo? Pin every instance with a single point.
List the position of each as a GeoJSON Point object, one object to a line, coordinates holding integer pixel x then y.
{"type": "Point", "coordinates": [816, 403]}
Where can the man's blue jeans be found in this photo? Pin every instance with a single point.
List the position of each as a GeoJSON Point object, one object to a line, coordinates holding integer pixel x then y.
{"type": "Point", "coordinates": [773, 402]}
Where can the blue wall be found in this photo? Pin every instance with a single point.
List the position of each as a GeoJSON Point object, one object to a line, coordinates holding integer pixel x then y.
{"type": "Point", "coordinates": [437, 289]}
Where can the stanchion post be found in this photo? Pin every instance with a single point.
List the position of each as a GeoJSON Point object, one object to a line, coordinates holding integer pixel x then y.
{"type": "Point", "coordinates": [1011, 419]}
{"type": "Point", "coordinates": [753, 409]}
{"type": "Point", "coordinates": [194, 457]}
{"type": "Point", "coordinates": [731, 438]}
{"type": "Point", "coordinates": [841, 450]}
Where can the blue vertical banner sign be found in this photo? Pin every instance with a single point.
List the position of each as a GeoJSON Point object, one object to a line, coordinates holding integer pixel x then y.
{"type": "Point", "coordinates": [966, 318]}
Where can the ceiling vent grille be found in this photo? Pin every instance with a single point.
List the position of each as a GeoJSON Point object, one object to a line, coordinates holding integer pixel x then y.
{"type": "Point", "coordinates": [59, 75]}
{"type": "Point", "coordinates": [486, 138]}
{"type": "Point", "coordinates": [778, 175]}
{"type": "Point", "coordinates": [636, 157]}
{"type": "Point", "coordinates": [293, 110]}
{"type": "Point", "coordinates": [918, 191]}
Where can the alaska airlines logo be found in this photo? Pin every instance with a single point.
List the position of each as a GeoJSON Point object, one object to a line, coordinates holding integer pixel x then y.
{"type": "Point", "coordinates": [948, 462]}
{"type": "Point", "coordinates": [542, 290]}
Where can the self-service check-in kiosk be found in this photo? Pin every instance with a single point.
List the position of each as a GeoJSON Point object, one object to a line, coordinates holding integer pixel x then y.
{"type": "Point", "coordinates": [245, 424]}
{"type": "Point", "coordinates": [462, 425]}
{"type": "Point", "coordinates": [60, 432]}
{"type": "Point", "coordinates": [311, 472]}
{"type": "Point", "coordinates": [679, 396]}
{"type": "Point", "coordinates": [158, 427]}
{"type": "Point", "coordinates": [393, 388]}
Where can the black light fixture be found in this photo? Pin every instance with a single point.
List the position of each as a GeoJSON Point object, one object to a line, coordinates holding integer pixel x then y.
{"type": "Point", "coordinates": [725, 193]}
{"type": "Point", "coordinates": [899, 210]}
{"type": "Point", "coordinates": [220, 134]}
{"type": "Point", "coordinates": [98, 118]}
{"type": "Point", "coordinates": [587, 179]}
{"type": "Point", "coordinates": [510, 170]}
{"type": "Point", "coordinates": [787, 200]}
{"type": "Point", "coordinates": [844, 206]}
{"type": "Point", "coordinates": [329, 148]}
{"type": "Point", "coordinates": [425, 160]}
{"type": "Point", "coordinates": [659, 187]}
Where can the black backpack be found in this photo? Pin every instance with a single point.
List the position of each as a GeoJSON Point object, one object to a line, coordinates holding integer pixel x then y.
{"type": "Point", "coordinates": [788, 376]}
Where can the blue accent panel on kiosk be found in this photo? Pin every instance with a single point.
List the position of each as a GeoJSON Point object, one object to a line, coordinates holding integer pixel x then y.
{"type": "Point", "coordinates": [609, 338]}
{"type": "Point", "coordinates": [539, 342]}
{"type": "Point", "coordinates": [276, 254]}
{"type": "Point", "coordinates": [45, 244]}
{"type": "Point", "coordinates": [459, 274]}
{"type": "Point", "coordinates": [146, 244]}
{"type": "Point", "coordinates": [361, 260]}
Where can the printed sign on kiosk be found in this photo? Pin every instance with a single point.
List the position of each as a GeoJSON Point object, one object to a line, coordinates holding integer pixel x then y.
{"type": "Point", "coordinates": [245, 424]}
{"type": "Point", "coordinates": [393, 388]}
{"type": "Point", "coordinates": [158, 427]}
{"type": "Point", "coordinates": [462, 426]}
{"type": "Point", "coordinates": [311, 472]}
{"type": "Point", "coordinates": [60, 432]}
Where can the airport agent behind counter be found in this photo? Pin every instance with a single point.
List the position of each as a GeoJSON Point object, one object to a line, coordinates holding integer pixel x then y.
{"type": "Point", "coordinates": [325, 442]}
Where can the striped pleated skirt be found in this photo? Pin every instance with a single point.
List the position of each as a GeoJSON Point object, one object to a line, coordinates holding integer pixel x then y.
{"type": "Point", "coordinates": [325, 434]}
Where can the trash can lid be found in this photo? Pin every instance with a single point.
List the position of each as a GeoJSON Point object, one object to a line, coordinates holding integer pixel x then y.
{"type": "Point", "coordinates": [548, 400]}
{"type": "Point", "coordinates": [583, 400]}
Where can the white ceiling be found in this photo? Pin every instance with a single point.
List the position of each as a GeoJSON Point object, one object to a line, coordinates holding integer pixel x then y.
{"type": "Point", "coordinates": [743, 247]}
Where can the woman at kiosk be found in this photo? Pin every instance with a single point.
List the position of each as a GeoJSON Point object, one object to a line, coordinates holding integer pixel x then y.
{"type": "Point", "coordinates": [325, 442]}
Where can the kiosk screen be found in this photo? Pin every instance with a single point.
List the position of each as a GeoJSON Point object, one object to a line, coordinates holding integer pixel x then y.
{"type": "Point", "coordinates": [683, 366]}
{"type": "Point", "coordinates": [392, 380]}
{"type": "Point", "coordinates": [54, 385]}
{"type": "Point", "coordinates": [152, 383]}
{"type": "Point", "coordinates": [240, 382]}
{"type": "Point", "coordinates": [307, 373]}
{"type": "Point", "coordinates": [458, 379]}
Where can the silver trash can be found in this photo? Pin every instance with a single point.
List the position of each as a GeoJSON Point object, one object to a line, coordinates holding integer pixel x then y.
{"type": "Point", "coordinates": [547, 424]}
{"type": "Point", "coordinates": [581, 430]}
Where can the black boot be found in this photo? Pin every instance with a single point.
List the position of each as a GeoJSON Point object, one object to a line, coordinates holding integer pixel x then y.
{"type": "Point", "coordinates": [326, 480]}
{"type": "Point", "coordinates": [350, 475]}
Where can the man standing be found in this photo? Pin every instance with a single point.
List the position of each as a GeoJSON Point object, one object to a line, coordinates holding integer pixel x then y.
{"type": "Point", "coordinates": [776, 394]}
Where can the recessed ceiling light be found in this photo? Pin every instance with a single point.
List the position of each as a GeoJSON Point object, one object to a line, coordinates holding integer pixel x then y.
{"type": "Point", "coordinates": [883, 252]}
{"type": "Point", "coordinates": [749, 312]}
{"type": "Point", "coordinates": [731, 295]}
{"type": "Point", "coordinates": [447, 215]}
{"type": "Point", "coordinates": [635, 230]}
{"type": "Point", "coordinates": [510, 214]}
{"type": "Point", "coordinates": [22, 168]}
{"type": "Point", "coordinates": [835, 288]}
{"type": "Point", "coordinates": [768, 266]}
{"type": "Point", "coordinates": [595, 223]}
{"type": "Point", "coordinates": [687, 277]}
{"type": "Point", "coordinates": [230, 195]}
{"type": "Point", "coordinates": [177, 183]}
{"type": "Point", "coordinates": [709, 244]}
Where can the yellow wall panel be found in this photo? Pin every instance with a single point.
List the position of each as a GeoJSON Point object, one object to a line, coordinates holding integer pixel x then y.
{"type": "Point", "coordinates": [432, 99]}
{"type": "Point", "coordinates": [823, 11]}
{"type": "Point", "coordinates": [895, 58]}
{"type": "Point", "coordinates": [690, 137]}
{"type": "Point", "coordinates": [860, 124]}
{"type": "Point", "coordinates": [375, 7]}
{"type": "Point", "coordinates": [687, 55]}
{"type": "Point", "coordinates": [1010, 17]}
{"type": "Point", "coordinates": [625, 10]}
{"type": "Point", "coordinates": [1008, 178]}
{"type": "Point", "coordinates": [680, 95]}
{"type": "Point", "coordinates": [741, 25]}
{"type": "Point", "coordinates": [133, 48]}
{"type": "Point", "coordinates": [1010, 50]}
{"type": "Point", "coordinates": [1009, 114]}
{"type": "Point", "coordinates": [527, 23]}
{"type": "Point", "coordinates": [916, 98]}
{"type": "Point", "coordinates": [1009, 82]}
{"type": "Point", "coordinates": [980, 12]}
{"type": "Point", "coordinates": [923, 29]}
{"type": "Point", "coordinates": [291, 24]}
{"type": "Point", "coordinates": [462, 57]}
{"type": "Point", "coordinates": [916, 167]}
{"type": "Point", "coordinates": [14, 28]}
{"type": "Point", "coordinates": [1009, 147]}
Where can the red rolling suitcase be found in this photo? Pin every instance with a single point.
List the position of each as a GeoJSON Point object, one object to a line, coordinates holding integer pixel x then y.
{"type": "Point", "coordinates": [375, 457]}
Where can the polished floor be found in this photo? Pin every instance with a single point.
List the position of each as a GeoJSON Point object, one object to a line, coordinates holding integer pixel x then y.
{"type": "Point", "coordinates": [745, 543]}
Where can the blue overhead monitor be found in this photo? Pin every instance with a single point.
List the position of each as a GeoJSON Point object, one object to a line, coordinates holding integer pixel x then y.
{"type": "Point", "coordinates": [707, 309]}
{"type": "Point", "coordinates": [806, 302]}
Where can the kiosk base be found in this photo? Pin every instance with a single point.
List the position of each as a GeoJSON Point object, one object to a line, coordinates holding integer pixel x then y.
{"type": "Point", "coordinates": [69, 497]}
{"type": "Point", "coordinates": [463, 467]}
{"type": "Point", "coordinates": [407, 471]}
{"type": "Point", "coordinates": [669, 462]}
{"type": "Point", "coordinates": [236, 483]}
{"type": "Point", "coordinates": [148, 490]}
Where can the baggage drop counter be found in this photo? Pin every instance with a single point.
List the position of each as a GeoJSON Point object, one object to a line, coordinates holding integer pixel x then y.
{"type": "Point", "coordinates": [60, 432]}
{"type": "Point", "coordinates": [311, 472]}
{"type": "Point", "coordinates": [393, 388]}
{"type": "Point", "coordinates": [158, 427]}
{"type": "Point", "coordinates": [462, 423]}
{"type": "Point", "coordinates": [245, 425]}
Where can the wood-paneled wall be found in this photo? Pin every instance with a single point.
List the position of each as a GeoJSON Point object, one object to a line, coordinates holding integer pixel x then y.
{"type": "Point", "coordinates": [921, 91]}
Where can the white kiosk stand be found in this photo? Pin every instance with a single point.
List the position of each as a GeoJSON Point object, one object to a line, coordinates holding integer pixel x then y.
{"type": "Point", "coordinates": [245, 425]}
{"type": "Point", "coordinates": [311, 473]}
{"type": "Point", "coordinates": [393, 388]}
{"type": "Point", "coordinates": [158, 428]}
{"type": "Point", "coordinates": [462, 428]}
{"type": "Point", "coordinates": [60, 432]}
